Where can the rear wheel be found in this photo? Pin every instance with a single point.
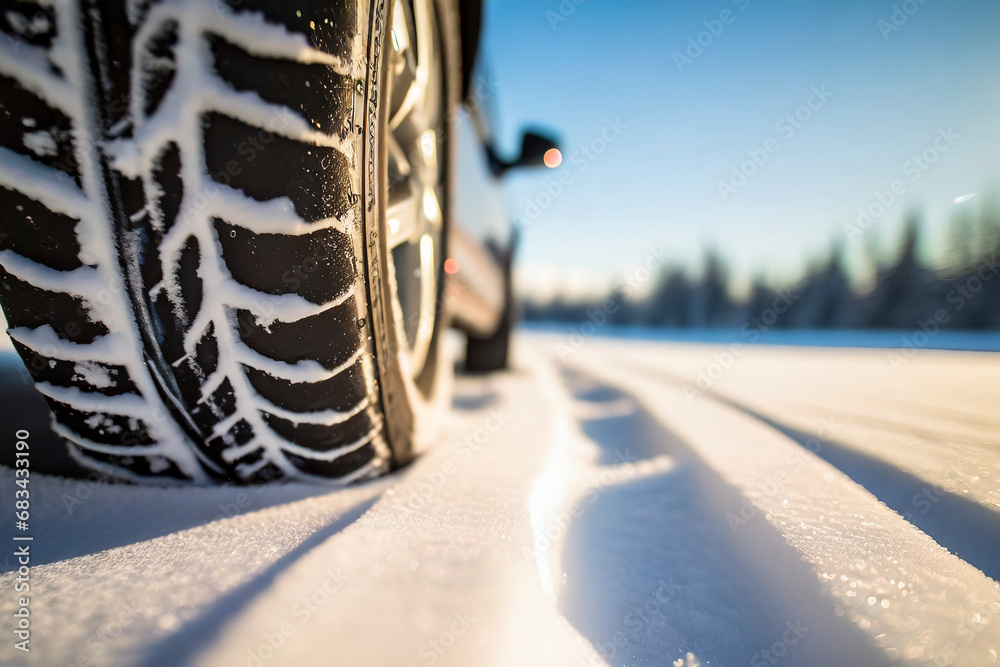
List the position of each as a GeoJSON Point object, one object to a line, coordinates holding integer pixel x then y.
{"type": "Point", "coordinates": [225, 232]}
{"type": "Point", "coordinates": [484, 354]}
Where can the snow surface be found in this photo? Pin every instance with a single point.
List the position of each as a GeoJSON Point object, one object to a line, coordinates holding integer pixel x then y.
{"type": "Point", "coordinates": [610, 502]}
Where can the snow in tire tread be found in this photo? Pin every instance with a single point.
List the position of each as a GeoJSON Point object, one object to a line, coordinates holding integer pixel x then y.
{"type": "Point", "coordinates": [272, 378]}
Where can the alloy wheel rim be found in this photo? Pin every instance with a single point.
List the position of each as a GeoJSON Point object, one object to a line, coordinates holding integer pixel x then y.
{"type": "Point", "coordinates": [414, 215]}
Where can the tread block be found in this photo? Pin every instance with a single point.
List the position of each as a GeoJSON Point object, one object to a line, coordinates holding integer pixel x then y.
{"type": "Point", "coordinates": [239, 434]}
{"type": "Point", "coordinates": [325, 438]}
{"type": "Point", "coordinates": [341, 392]}
{"type": "Point", "coordinates": [103, 428]}
{"type": "Point", "coordinates": [330, 337]}
{"type": "Point", "coordinates": [218, 406]}
{"type": "Point", "coordinates": [32, 128]}
{"type": "Point", "coordinates": [33, 231]}
{"type": "Point", "coordinates": [329, 26]}
{"type": "Point", "coordinates": [116, 37]}
{"type": "Point", "coordinates": [316, 92]}
{"type": "Point", "coordinates": [166, 201]}
{"type": "Point", "coordinates": [175, 307]}
{"type": "Point", "coordinates": [266, 474]}
{"type": "Point", "coordinates": [158, 66]}
{"type": "Point", "coordinates": [28, 306]}
{"type": "Point", "coordinates": [29, 23]}
{"type": "Point", "coordinates": [265, 166]}
{"type": "Point", "coordinates": [189, 285]}
{"type": "Point", "coordinates": [107, 379]}
{"type": "Point", "coordinates": [206, 352]}
{"type": "Point", "coordinates": [317, 266]}
{"type": "Point", "coordinates": [143, 466]}
{"type": "Point", "coordinates": [338, 467]}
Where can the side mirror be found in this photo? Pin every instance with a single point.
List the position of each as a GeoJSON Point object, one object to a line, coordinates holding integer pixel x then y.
{"type": "Point", "coordinates": [534, 146]}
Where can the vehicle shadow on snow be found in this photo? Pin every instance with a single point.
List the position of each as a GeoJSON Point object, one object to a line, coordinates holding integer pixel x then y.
{"type": "Point", "coordinates": [77, 512]}
{"type": "Point", "coordinates": [466, 400]}
{"type": "Point", "coordinates": [199, 633]}
{"type": "Point", "coordinates": [653, 571]}
{"type": "Point", "coordinates": [23, 407]}
{"type": "Point", "coordinates": [73, 518]}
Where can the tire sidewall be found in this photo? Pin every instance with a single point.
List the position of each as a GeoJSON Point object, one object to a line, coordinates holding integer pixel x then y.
{"type": "Point", "coordinates": [412, 407]}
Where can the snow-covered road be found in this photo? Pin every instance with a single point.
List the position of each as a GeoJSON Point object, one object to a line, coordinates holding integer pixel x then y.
{"type": "Point", "coordinates": [608, 503]}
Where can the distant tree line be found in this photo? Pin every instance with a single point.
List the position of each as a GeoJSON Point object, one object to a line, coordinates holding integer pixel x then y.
{"type": "Point", "coordinates": [961, 293]}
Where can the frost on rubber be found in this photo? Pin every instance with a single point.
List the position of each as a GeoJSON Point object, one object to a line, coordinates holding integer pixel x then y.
{"type": "Point", "coordinates": [180, 263]}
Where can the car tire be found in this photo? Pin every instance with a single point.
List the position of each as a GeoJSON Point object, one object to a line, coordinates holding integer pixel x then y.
{"type": "Point", "coordinates": [195, 265]}
{"type": "Point", "coordinates": [486, 354]}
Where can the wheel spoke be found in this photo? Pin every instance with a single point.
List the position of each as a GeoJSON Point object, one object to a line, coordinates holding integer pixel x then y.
{"type": "Point", "coordinates": [402, 220]}
{"type": "Point", "coordinates": [428, 296]}
{"type": "Point", "coordinates": [431, 211]}
{"type": "Point", "coordinates": [403, 66]}
{"type": "Point", "coordinates": [399, 164]}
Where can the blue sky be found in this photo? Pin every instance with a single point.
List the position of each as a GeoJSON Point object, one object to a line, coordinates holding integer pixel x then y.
{"type": "Point", "coordinates": [656, 184]}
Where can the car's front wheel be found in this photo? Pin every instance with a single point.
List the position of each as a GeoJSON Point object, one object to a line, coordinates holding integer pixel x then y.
{"type": "Point", "coordinates": [224, 230]}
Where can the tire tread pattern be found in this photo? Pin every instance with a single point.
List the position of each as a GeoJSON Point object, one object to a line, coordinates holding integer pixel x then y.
{"type": "Point", "coordinates": [231, 150]}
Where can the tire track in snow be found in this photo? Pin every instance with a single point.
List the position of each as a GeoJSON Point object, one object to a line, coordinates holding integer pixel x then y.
{"type": "Point", "coordinates": [643, 566]}
{"type": "Point", "coordinates": [901, 595]}
{"type": "Point", "coordinates": [966, 528]}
